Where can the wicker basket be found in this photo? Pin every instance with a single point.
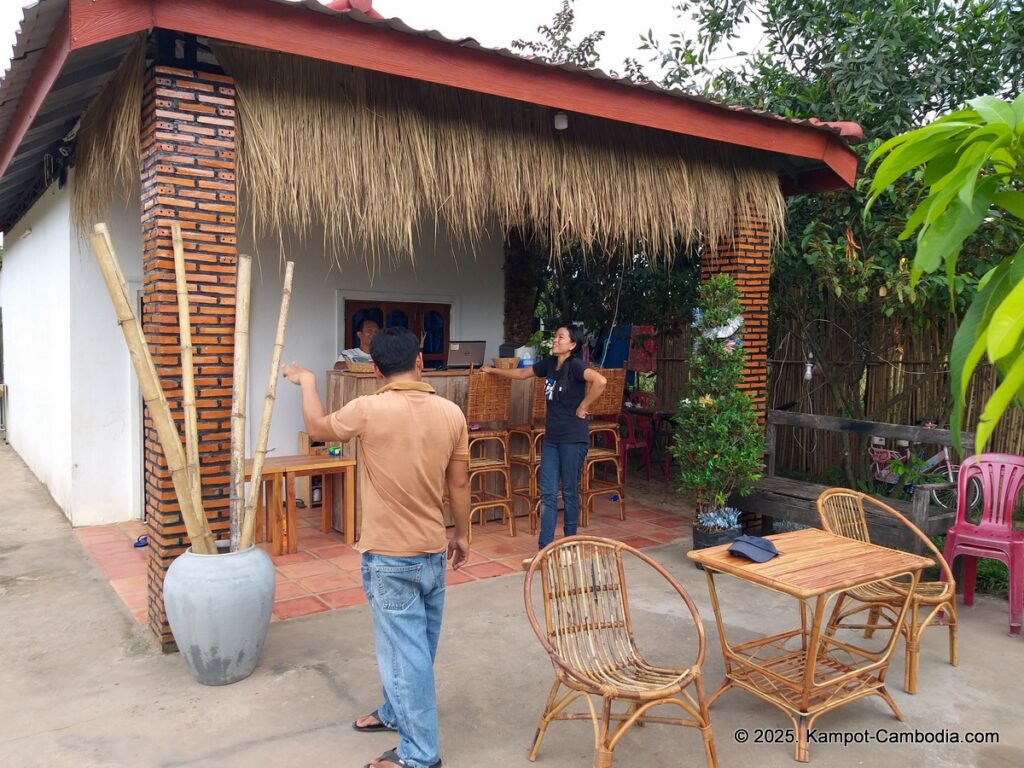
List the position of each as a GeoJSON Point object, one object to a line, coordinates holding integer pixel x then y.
{"type": "Point", "coordinates": [505, 362]}
{"type": "Point", "coordinates": [355, 367]}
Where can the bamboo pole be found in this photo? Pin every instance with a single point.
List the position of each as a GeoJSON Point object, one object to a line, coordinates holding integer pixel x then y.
{"type": "Point", "coordinates": [196, 525]}
{"type": "Point", "coordinates": [188, 384]}
{"type": "Point", "coordinates": [268, 406]}
{"type": "Point", "coordinates": [239, 391]}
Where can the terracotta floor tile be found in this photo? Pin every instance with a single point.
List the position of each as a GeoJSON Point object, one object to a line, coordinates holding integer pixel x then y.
{"type": "Point", "coordinates": [515, 563]}
{"type": "Point", "coordinates": [456, 577]}
{"type": "Point", "coordinates": [286, 589]}
{"type": "Point", "coordinates": [499, 550]}
{"type": "Point", "coordinates": [335, 550]}
{"type": "Point", "coordinates": [325, 582]}
{"type": "Point", "coordinates": [310, 567]}
{"type": "Point", "coordinates": [128, 585]}
{"type": "Point", "coordinates": [297, 557]}
{"type": "Point", "coordinates": [343, 598]}
{"type": "Point", "coordinates": [99, 531]}
{"type": "Point", "coordinates": [315, 540]}
{"type": "Point", "coordinates": [301, 606]}
{"type": "Point", "coordinates": [352, 562]}
{"type": "Point", "coordinates": [487, 570]}
{"type": "Point", "coordinates": [670, 522]}
{"type": "Point", "coordinates": [120, 571]}
{"type": "Point", "coordinates": [142, 616]}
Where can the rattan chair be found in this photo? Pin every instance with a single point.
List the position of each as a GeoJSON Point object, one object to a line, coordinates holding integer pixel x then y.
{"type": "Point", "coordinates": [608, 456]}
{"type": "Point", "coordinates": [490, 478]}
{"type": "Point", "coordinates": [526, 442]}
{"type": "Point", "coordinates": [842, 512]}
{"type": "Point", "coordinates": [588, 635]}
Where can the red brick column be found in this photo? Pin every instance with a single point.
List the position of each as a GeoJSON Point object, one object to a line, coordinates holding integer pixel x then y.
{"type": "Point", "coordinates": [188, 176]}
{"type": "Point", "coordinates": [748, 260]}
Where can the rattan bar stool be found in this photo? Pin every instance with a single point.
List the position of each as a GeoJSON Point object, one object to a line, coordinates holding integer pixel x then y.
{"type": "Point", "coordinates": [609, 404]}
{"type": "Point", "coordinates": [526, 442]}
{"type": "Point", "coordinates": [490, 479]}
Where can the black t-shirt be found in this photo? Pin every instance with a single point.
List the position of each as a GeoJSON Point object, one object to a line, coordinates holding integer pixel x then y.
{"type": "Point", "coordinates": [564, 391]}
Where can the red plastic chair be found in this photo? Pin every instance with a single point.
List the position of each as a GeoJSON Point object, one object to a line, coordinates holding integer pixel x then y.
{"type": "Point", "coordinates": [643, 399]}
{"type": "Point", "coordinates": [1001, 477]}
{"type": "Point", "coordinates": [638, 438]}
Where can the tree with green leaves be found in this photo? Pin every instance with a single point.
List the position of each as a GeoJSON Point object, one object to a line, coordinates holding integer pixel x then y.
{"type": "Point", "coordinates": [973, 171]}
{"type": "Point", "coordinates": [888, 66]}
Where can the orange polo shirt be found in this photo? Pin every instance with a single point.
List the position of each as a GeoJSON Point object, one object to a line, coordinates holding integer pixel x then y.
{"type": "Point", "coordinates": [408, 435]}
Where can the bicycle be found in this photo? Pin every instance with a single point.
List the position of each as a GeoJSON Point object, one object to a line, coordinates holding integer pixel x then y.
{"type": "Point", "coordinates": [893, 466]}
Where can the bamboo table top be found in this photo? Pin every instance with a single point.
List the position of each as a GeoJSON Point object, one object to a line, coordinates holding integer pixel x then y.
{"type": "Point", "coordinates": [279, 465]}
{"type": "Point", "coordinates": [812, 562]}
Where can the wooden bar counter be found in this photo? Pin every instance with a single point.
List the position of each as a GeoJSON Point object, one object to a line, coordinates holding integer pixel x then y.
{"type": "Point", "coordinates": [344, 386]}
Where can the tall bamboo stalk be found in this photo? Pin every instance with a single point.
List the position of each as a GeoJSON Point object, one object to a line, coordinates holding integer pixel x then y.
{"type": "Point", "coordinates": [196, 525]}
{"type": "Point", "coordinates": [238, 398]}
{"type": "Point", "coordinates": [268, 406]}
{"type": "Point", "coordinates": [188, 384]}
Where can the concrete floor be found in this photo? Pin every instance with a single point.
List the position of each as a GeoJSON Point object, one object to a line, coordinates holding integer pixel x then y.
{"type": "Point", "coordinates": [83, 685]}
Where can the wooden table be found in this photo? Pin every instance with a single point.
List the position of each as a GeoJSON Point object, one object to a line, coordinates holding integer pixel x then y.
{"type": "Point", "coordinates": [807, 671]}
{"type": "Point", "coordinates": [284, 470]}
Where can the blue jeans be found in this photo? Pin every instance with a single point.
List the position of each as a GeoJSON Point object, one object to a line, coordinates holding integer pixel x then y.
{"type": "Point", "coordinates": [406, 597]}
{"type": "Point", "coordinates": [560, 462]}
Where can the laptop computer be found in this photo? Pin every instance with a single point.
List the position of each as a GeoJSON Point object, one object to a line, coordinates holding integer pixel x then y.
{"type": "Point", "coordinates": [463, 354]}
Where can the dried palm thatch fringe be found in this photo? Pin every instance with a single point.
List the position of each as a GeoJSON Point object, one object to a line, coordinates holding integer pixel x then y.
{"type": "Point", "coordinates": [108, 152]}
{"type": "Point", "coordinates": [371, 158]}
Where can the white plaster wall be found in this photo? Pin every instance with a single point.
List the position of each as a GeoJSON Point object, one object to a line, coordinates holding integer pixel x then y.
{"type": "Point", "coordinates": [35, 294]}
{"type": "Point", "coordinates": [472, 283]}
{"type": "Point", "coordinates": [105, 410]}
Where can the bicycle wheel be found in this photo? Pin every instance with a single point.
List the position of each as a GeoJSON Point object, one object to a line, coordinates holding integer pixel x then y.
{"type": "Point", "coordinates": [946, 497]}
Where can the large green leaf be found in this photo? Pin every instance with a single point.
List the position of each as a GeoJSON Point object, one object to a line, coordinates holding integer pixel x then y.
{"type": "Point", "coordinates": [1011, 202]}
{"type": "Point", "coordinates": [1007, 323]}
{"type": "Point", "coordinates": [1008, 389]}
{"type": "Point", "coordinates": [994, 110]}
{"type": "Point", "coordinates": [1018, 108]}
{"type": "Point", "coordinates": [944, 238]}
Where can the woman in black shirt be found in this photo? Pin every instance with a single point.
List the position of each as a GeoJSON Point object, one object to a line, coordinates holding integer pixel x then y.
{"type": "Point", "coordinates": [570, 389]}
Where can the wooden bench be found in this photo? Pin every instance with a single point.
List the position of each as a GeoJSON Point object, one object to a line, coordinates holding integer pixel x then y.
{"type": "Point", "coordinates": [781, 498]}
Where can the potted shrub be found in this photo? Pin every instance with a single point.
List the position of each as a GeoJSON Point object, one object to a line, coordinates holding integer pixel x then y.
{"type": "Point", "coordinates": [718, 439]}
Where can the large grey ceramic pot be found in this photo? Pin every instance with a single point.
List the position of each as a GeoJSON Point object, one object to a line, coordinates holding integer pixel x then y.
{"type": "Point", "coordinates": [703, 539]}
{"type": "Point", "coordinates": [218, 607]}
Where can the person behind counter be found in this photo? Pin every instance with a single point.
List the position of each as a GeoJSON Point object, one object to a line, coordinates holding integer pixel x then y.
{"type": "Point", "coordinates": [414, 448]}
{"type": "Point", "coordinates": [570, 390]}
{"type": "Point", "coordinates": [365, 330]}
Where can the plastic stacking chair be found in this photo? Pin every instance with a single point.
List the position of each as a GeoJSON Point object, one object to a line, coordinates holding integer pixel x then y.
{"type": "Point", "coordinates": [933, 603]}
{"type": "Point", "coordinates": [1001, 477]}
{"type": "Point", "coordinates": [639, 437]}
{"type": "Point", "coordinates": [588, 635]}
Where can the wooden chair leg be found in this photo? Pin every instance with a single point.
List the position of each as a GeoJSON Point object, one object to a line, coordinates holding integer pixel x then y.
{"type": "Point", "coordinates": [873, 615]}
{"type": "Point", "coordinates": [327, 501]}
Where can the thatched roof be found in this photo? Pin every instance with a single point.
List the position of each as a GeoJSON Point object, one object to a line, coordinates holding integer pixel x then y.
{"type": "Point", "coordinates": [368, 159]}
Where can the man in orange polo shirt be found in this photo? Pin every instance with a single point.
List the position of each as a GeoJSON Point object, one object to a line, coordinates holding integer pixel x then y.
{"type": "Point", "coordinates": [414, 445]}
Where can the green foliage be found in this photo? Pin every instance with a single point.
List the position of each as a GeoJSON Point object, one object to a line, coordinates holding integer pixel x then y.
{"type": "Point", "coordinates": [718, 440]}
{"type": "Point", "coordinates": [557, 45]}
{"type": "Point", "coordinates": [587, 287]}
{"type": "Point", "coordinates": [973, 163]}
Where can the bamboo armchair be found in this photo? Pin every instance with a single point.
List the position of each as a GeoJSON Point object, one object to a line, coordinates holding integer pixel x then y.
{"type": "Point", "coordinates": [842, 512]}
{"type": "Point", "coordinates": [588, 635]}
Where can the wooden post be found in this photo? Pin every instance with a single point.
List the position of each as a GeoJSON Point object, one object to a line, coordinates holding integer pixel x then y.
{"type": "Point", "coordinates": [238, 398]}
{"type": "Point", "coordinates": [268, 406]}
{"type": "Point", "coordinates": [188, 384]}
{"type": "Point", "coordinates": [196, 526]}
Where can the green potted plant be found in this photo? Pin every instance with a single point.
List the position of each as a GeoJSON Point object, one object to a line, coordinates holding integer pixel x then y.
{"type": "Point", "coordinates": [718, 439]}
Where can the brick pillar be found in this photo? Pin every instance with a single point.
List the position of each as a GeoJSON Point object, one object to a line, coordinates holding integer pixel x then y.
{"type": "Point", "coordinates": [748, 260]}
{"type": "Point", "coordinates": [188, 176]}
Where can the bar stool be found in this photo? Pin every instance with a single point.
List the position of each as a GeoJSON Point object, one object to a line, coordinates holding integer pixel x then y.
{"type": "Point", "coordinates": [490, 479]}
{"type": "Point", "coordinates": [526, 442]}
{"type": "Point", "coordinates": [609, 404]}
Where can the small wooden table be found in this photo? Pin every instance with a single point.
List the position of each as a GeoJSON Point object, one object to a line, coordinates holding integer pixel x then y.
{"type": "Point", "coordinates": [808, 671]}
{"type": "Point", "coordinates": [287, 469]}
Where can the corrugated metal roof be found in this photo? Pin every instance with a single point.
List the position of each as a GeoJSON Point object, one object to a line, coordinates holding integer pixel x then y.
{"type": "Point", "coordinates": [398, 25]}
{"type": "Point", "coordinates": [38, 157]}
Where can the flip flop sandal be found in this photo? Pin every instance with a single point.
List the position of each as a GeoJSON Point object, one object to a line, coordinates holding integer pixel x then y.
{"type": "Point", "coordinates": [378, 727]}
{"type": "Point", "coordinates": [391, 756]}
